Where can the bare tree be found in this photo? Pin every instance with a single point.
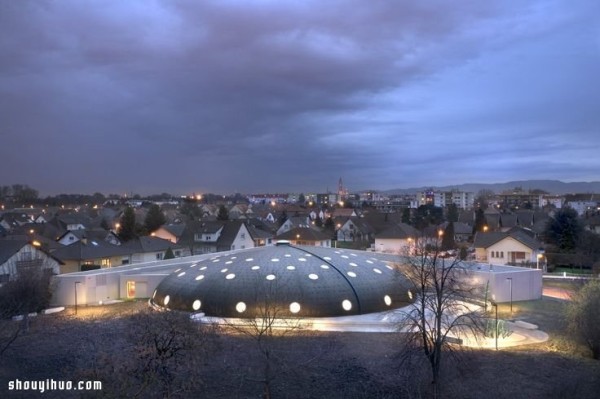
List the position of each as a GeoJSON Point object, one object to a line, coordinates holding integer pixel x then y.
{"type": "Point", "coordinates": [443, 312]}
{"type": "Point", "coordinates": [584, 318]}
{"type": "Point", "coordinates": [271, 321]}
{"type": "Point", "coordinates": [154, 355]}
{"type": "Point", "coordinates": [29, 292]}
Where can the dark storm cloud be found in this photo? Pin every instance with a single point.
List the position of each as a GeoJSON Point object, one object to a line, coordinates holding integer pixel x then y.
{"type": "Point", "coordinates": [152, 96]}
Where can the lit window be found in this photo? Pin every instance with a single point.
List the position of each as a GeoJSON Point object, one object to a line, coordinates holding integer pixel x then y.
{"type": "Point", "coordinates": [271, 277]}
{"type": "Point", "coordinates": [200, 277]}
{"type": "Point", "coordinates": [130, 289]}
{"type": "Point", "coordinates": [290, 267]}
{"type": "Point", "coordinates": [203, 268]}
{"type": "Point", "coordinates": [230, 276]}
{"type": "Point", "coordinates": [324, 267]}
{"type": "Point", "coordinates": [376, 270]}
{"type": "Point", "coordinates": [353, 264]}
{"type": "Point", "coordinates": [351, 274]}
{"type": "Point", "coordinates": [313, 276]}
{"type": "Point", "coordinates": [224, 270]}
{"type": "Point", "coordinates": [255, 267]}
{"type": "Point", "coordinates": [274, 260]}
{"type": "Point", "coordinates": [181, 274]}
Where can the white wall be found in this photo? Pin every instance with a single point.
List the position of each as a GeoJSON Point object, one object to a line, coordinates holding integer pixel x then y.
{"type": "Point", "coordinates": [526, 283]}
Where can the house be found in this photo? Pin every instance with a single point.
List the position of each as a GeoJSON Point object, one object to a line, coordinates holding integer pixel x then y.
{"type": "Point", "coordinates": [11, 220]}
{"type": "Point", "coordinates": [88, 254]}
{"type": "Point", "coordinates": [71, 237]}
{"type": "Point", "coordinates": [16, 255]}
{"type": "Point", "coordinates": [207, 237]}
{"type": "Point", "coordinates": [353, 229]}
{"type": "Point", "coordinates": [150, 249]}
{"type": "Point", "coordinates": [240, 211]}
{"type": "Point", "coordinates": [462, 231]}
{"type": "Point", "coordinates": [343, 213]}
{"type": "Point", "coordinates": [396, 239]}
{"type": "Point", "coordinates": [516, 246]}
{"type": "Point", "coordinates": [305, 236]}
{"type": "Point", "coordinates": [260, 237]}
{"type": "Point", "coordinates": [170, 232]}
{"type": "Point", "coordinates": [294, 222]}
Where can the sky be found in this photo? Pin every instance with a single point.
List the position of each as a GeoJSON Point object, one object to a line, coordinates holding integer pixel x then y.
{"type": "Point", "coordinates": [185, 96]}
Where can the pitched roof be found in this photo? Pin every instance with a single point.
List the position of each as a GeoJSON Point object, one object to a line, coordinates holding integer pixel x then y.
{"type": "Point", "coordinates": [228, 234]}
{"type": "Point", "coordinates": [90, 250]}
{"type": "Point", "coordinates": [175, 229]}
{"type": "Point", "coordinates": [8, 248]}
{"type": "Point", "coordinates": [148, 244]}
{"type": "Point", "coordinates": [304, 234]}
{"type": "Point", "coordinates": [399, 231]}
{"type": "Point", "coordinates": [486, 240]}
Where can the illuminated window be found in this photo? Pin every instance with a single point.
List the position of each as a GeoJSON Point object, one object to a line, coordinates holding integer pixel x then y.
{"type": "Point", "coordinates": [130, 289]}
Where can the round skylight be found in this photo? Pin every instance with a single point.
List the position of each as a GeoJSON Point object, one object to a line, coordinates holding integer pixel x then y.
{"type": "Point", "coordinates": [347, 305]}
{"type": "Point", "coordinates": [196, 305]}
{"type": "Point", "coordinates": [294, 307]}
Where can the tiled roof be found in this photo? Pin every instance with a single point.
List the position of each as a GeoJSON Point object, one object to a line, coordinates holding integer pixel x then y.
{"type": "Point", "coordinates": [399, 231]}
{"type": "Point", "coordinates": [306, 234]}
{"type": "Point", "coordinates": [8, 248]}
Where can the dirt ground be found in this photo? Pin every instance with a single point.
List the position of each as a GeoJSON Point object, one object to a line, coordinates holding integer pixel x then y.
{"type": "Point", "coordinates": [66, 346]}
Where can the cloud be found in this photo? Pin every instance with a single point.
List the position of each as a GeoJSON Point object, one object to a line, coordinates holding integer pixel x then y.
{"type": "Point", "coordinates": [269, 96]}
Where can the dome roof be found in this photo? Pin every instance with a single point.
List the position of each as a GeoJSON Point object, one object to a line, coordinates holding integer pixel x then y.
{"type": "Point", "coordinates": [294, 281]}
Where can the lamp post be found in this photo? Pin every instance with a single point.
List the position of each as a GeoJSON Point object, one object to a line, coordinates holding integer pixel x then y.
{"type": "Point", "coordinates": [510, 282]}
{"type": "Point", "coordinates": [494, 304]}
{"type": "Point", "coordinates": [76, 282]}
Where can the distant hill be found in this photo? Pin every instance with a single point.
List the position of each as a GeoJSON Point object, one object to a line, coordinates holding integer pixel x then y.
{"type": "Point", "coordinates": [551, 186]}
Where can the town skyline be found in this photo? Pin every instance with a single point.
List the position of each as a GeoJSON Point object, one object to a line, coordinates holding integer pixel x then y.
{"type": "Point", "coordinates": [552, 187]}
{"type": "Point", "coordinates": [232, 97]}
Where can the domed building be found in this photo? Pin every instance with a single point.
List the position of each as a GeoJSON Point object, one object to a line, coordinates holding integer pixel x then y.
{"type": "Point", "coordinates": [296, 281]}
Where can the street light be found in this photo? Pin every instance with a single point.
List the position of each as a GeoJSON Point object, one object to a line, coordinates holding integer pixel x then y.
{"type": "Point", "coordinates": [510, 282]}
{"type": "Point", "coordinates": [76, 282]}
{"type": "Point", "coordinates": [494, 304]}
{"type": "Point", "coordinates": [538, 257]}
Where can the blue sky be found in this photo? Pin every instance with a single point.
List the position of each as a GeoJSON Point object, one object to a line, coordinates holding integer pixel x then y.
{"type": "Point", "coordinates": [240, 96]}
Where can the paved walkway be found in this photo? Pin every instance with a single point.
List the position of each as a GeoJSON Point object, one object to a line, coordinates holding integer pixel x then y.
{"type": "Point", "coordinates": [522, 333]}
